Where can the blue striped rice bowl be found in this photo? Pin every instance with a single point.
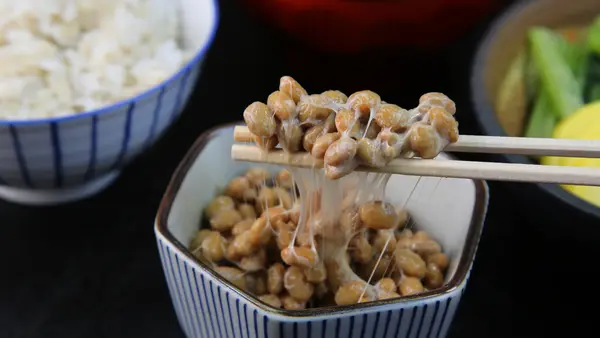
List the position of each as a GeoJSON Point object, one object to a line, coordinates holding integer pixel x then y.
{"type": "Point", "coordinates": [209, 306]}
{"type": "Point", "coordinates": [56, 160]}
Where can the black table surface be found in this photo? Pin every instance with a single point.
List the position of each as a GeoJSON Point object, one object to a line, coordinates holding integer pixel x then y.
{"type": "Point", "coordinates": [91, 269]}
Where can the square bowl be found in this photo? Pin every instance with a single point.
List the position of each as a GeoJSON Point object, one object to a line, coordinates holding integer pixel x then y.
{"type": "Point", "coordinates": [207, 305]}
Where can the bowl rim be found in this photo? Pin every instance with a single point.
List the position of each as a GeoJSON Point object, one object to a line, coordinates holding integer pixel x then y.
{"type": "Point", "coordinates": [485, 112]}
{"type": "Point", "coordinates": [128, 101]}
{"type": "Point", "coordinates": [460, 276]}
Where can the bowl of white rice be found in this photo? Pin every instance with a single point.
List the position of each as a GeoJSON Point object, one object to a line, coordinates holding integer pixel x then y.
{"type": "Point", "coordinates": [87, 85]}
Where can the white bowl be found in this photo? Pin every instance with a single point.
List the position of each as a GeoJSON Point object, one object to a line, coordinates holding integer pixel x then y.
{"type": "Point", "coordinates": [451, 210]}
{"type": "Point", "coordinates": [55, 160]}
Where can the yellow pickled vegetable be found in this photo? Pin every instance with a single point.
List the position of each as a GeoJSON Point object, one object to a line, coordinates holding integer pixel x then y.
{"type": "Point", "coordinates": [584, 124]}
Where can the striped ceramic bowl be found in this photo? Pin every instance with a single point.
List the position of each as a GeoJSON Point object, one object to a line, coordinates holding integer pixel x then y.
{"type": "Point", "coordinates": [451, 210]}
{"type": "Point", "coordinates": [62, 159]}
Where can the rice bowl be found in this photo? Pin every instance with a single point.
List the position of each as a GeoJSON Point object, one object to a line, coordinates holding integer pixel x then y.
{"type": "Point", "coordinates": [62, 156]}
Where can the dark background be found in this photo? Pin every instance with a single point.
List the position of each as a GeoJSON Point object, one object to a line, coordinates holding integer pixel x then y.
{"type": "Point", "coordinates": [91, 269]}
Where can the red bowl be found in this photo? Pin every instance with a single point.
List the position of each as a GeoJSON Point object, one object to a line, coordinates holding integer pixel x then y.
{"type": "Point", "coordinates": [356, 25]}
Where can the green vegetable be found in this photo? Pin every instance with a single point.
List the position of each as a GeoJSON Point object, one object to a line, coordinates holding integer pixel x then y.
{"type": "Point", "coordinates": [532, 79]}
{"type": "Point", "coordinates": [542, 121]}
{"type": "Point", "coordinates": [594, 36]}
{"type": "Point", "coordinates": [557, 79]}
{"type": "Point", "coordinates": [594, 93]}
{"type": "Point", "coordinates": [590, 92]}
{"type": "Point", "coordinates": [592, 87]}
{"type": "Point", "coordinates": [543, 117]}
{"type": "Point", "coordinates": [576, 56]}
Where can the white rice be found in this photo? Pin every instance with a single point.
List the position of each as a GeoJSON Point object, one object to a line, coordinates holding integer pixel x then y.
{"type": "Point", "coordinates": [62, 57]}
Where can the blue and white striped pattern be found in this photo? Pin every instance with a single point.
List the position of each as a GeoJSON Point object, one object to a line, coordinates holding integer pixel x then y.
{"type": "Point", "coordinates": [207, 308]}
{"type": "Point", "coordinates": [69, 152]}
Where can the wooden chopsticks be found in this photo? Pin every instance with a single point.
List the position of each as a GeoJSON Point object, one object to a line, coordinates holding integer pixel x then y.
{"type": "Point", "coordinates": [498, 145]}
{"type": "Point", "coordinates": [461, 169]}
